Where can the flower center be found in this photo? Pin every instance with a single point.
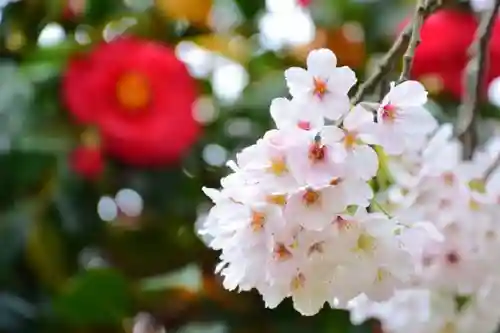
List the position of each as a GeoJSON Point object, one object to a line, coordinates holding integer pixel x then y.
{"type": "Point", "coordinates": [449, 327]}
{"type": "Point", "coordinates": [258, 220]}
{"type": "Point", "coordinates": [389, 113]}
{"type": "Point", "coordinates": [320, 87]}
{"type": "Point", "coordinates": [316, 248]}
{"type": "Point", "coordinates": [344, 225]}
{"type": "Point", "coordinates": [474, 205]}
{"type": "Point", "coordinates": [365, 243]}
{"type": "Point", "coordinates": [304, 125]}
{"type": "Point", "coordinates": [277, 199]}
{"type": "Point", "coordinates": [449, 178]}
{"type": "Point", "coordinates": [382, 275]}
{"type": "Point", "coordinates": [133, 91]}
{"type": "Point", "coordinates": [298, 282]}
{"type": "Point", "coordinates": [452, 258]}
{"type": "Point", "coordinates": [310, 197]}
{"type": "Point", "coordinates": [335, 181]}
{"type": "Point", "coordinates": [278, 166]}
{"type": "Point", "coordinates": [350, 139]}
{"type": "Point", "coordinates": [281, 252]}
{"type": "Point", "coordinates": [317, 152]}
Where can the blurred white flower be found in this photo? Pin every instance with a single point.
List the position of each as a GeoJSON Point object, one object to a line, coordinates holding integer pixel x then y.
{"type": "Point", "coordinates": [482, 5]}
{"type": "Point", "coordinates": [107, 209]}
{"type": "Point", "coordinates": [127, 203]}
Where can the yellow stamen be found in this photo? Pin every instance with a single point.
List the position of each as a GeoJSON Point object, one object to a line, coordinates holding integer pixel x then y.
{"type": "Point", "coordinates": [311, 197]}
{"type": "Point", "coordinates": [350, 139]}
{"type": "Point", "coordinates": [298, 282]}
{"type": "Point", "coordinates": [365, 243]}
{"type": "Point", "coordinates": [133, 91]}
{"type": "Point", "coordinates": [278, 166]}
{"type": "Point", "coordinates": [281, 252]}
{"type": "Point", "coordinates": [320, 88]}
{"type": "Point", "coordinates": [277, 199]}
{"type": "Point", "coordinates": [258, 221]}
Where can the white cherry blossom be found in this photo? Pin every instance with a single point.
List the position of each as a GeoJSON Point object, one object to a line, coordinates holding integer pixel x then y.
{"type": "Point", "coordinates": [358, 127]}
{"type": "Point", "coordinates": [294, 218]}
{"type": "Point", "coordinates": [402, 118]}
{"type": "Point", "coordinates": [293, 114]}
{"type": "Point", "coordinates": [323, 85]}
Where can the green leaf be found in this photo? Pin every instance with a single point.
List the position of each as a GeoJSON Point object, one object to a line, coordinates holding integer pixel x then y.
{"type": "Point", "coordinates": [25, 174]}
{"type": "Point", "coordinates": [14, 227]}
{"type": "Point", "coordinates": [15, 313]}
{"type": "Point", "coordinates": [251, 8]}
{"type": "Point", "coordinates": [189, 277]}
{"type": "Point", "coordinates": [97, 11]}
{"type": "Point", "coordinates": [96, 297]}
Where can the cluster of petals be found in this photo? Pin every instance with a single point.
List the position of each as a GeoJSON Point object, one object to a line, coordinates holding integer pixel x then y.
{"type": "Point", "coordinates": [461, 199]}
{"type": "Point", "coordinates": [295, 216]}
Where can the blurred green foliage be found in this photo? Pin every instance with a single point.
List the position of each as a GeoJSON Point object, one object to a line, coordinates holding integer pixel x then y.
{"type": "Point", "coordinates": [63, 269]}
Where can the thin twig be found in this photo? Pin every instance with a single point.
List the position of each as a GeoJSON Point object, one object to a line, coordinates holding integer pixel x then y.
{"type": "Point", "coordinates": [474, 83]}
{"type": "Point", "coordinates": [492, 168]}
{"type": "Point", "coordinates": [418, 20]}
{"type": "Point", "coordinates": [386, 64]}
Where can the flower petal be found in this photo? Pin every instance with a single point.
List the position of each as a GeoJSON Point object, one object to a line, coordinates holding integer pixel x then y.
{"type": "Point", "coordinates": [280, 112]}
{"type": "Point", "coordinates": [341, 80]}
{"type": "Point", "coordinates": [408, 93]}
{"type": "Point", "coordinates": [364, 162]}
{"type": "Point", "coordinates": [331, 134]}
{"type": "Point", "coordinates": [418, 120]}
{"type": "Point", "coordinates": [357, 118]}
{"type": "Point", "coordinates": [321, 62]}
{"type": "Point", "coordinates": [299, 81]}
{"type": "Point", "coordinates": [334, 105]}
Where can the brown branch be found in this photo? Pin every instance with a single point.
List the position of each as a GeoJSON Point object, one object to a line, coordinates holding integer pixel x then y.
{"type": "Point", "coordinates": [401, 43]}
{"type": "Point", "coordinates": [474, 83]}
{"type": "Point", "coordinates": [418, 20]}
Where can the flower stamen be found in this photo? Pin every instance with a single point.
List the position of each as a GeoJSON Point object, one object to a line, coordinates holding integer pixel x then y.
{"type": "Point", "coordinates": [281, 253]}
{"type": "Point", "coordinates": [298, 282]}
{"type": "Point", "coordinates": [317, 152]}
{"type": "Point", "coordinates": [320, 87]}
{"type": "Point", "coordinates": [258, 221]}
{"type": "Point", "coordinates": [133, 91]}
{"type": "Point", "coordinates": [389, 113]}
{"type": "Point", "coordinates": [311, 197]}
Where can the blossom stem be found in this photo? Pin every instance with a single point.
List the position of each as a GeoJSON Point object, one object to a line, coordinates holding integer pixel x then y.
{"type": "Point", "coordinates": [424, 8]}
{"type": "Point", "coordinates": [379, 207]}
{"type": "Point", "coordinates": [492, 168]}
{"type": "Point", "coordinates": [474, 82]}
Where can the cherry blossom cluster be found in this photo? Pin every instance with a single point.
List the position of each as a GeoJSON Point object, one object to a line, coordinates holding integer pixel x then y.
{"type": "Point", "coordinates": [461, 199]}
{"type": "Point", "coordinates": [296, 217]}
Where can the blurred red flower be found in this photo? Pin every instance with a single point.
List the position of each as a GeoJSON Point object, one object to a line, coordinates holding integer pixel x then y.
{"type": "Point", "coordinates": [304, 3]}
{"type": "Point", "coordinates": [443, 52]}
{"type": "Point", "coordinates": [87, 162]}
{"type": "Point", "coordinates": [73, 9]}
{"type": "Point", "coordinates": [138, 95]}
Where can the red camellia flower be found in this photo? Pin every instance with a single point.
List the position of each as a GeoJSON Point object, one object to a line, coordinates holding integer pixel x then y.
{"type": "Point", "coordinates": [138, 95]}
{"type": "Point", "coordinates": [442, 54]}
{"type": "Point", "coordinates": [304, 3]}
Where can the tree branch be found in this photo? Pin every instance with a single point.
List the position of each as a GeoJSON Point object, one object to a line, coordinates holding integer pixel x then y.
{"type": "Point", "coordinates": [424, 8]}
{"type": "Point", "coordinates": [418, 20]}
{"type": "Point", "coordinates": [474, 83]}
